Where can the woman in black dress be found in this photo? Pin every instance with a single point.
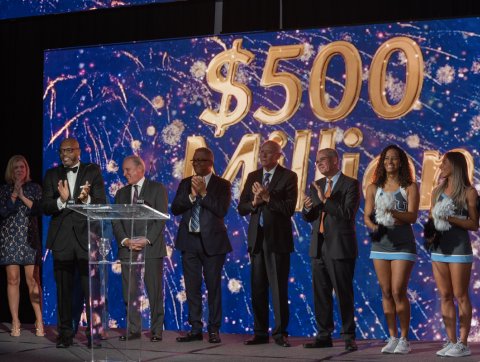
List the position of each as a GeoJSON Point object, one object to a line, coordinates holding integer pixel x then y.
{"type": "Point", "coordinates": [19, 238]}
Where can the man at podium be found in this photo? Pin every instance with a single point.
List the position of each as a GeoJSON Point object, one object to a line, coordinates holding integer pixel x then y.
{"type": "Point", "coordinates": [153, 194]}
{"type": "Point", "coordinates": [73, 182]}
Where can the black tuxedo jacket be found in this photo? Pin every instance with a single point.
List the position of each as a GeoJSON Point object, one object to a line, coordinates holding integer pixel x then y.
{"type": "Point", "coordinates": [214, 207]}
{"type": "Point", "coordinates": [277, 223]}
{"type": "Point", "coordinates": [154, 195]}
{"type": "Point", "coordinates": [66, 224]}
{"type": "Point", "coordinates": [339, 223]}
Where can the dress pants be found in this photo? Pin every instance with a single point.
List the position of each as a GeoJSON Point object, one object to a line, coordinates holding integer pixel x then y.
{"type": "Point", "coordinates": [153, 279]}
{"type": "Point", "coordinates": [270, 270]}
{"type": "Point", "coordinates": [195, 265]}
{"type": "Point", "coordinates": [65, 263]}
{"type": "Point", "coordinates": [327, 275]}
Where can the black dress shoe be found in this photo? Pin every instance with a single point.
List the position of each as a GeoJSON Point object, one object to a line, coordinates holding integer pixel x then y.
{"type": "Point", "coordinates": [256, 340]}
{"type": "Point", "coordinates": [156, 338]}
{"type": "Point", "coordinates": [190, 337]}
{"type": "Point", "coordinates": [95, 344]}
{"type": "Point", "coordinates": [282, 341]}
{"type": "Point", "coordinates": [64, 342]}
{"type": "Point", "coordinates": [319, 343]}
{"type": "Point", "coordinates": [130, 336]}
{"type": "Point", "coordinates": [214, 337]}
{"type": "Point", "coordinates": [350, 345]}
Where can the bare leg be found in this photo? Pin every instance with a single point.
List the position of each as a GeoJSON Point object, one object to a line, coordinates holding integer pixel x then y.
{"type": "Point", "coordinates": [460, 274]}
{"type": "Point", "coordinates": [13, 290]}
{"type": "Point", "coordinates": [441, 272]}
{"type": "Point", "coordinates": [384, 275]}
{"type": "Point", "coordinates": [32, 275]}
{"type": "Point", "coordinates": [401, 270]}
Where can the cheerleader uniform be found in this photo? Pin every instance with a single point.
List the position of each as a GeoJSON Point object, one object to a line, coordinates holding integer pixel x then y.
{"type": "Point", "coordinates": [398, 243]}
{"type": "Point", "coordinates": [454, 244]}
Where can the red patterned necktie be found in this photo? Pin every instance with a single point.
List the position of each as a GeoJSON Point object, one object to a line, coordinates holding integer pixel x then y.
{"type": "Point", "coordinates": [327, 195]}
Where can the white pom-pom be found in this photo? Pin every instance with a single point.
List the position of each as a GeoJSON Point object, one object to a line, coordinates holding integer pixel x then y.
{"type": "Point", "coordinates": [441, 211]}
{"type": "Point", "coordinates": [383, 204]}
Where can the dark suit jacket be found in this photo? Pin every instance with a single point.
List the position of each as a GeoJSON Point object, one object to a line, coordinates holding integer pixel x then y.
{"type": "Point", "coordinates": [277, 223]}
{"type": "Point", "coordinates": [66, 223]}
{"type": "Point", "coordinates": [214, 208]}
{"type": "Point", "coordinates": [154, 195]}
{"type": "Point", "coordinates": [339, 223]}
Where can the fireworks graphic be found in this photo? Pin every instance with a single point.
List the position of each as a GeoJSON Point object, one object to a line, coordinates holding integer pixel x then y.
{"type": "Point", "coordinates": [146, 98]}
{"type": "Point", "coordinates": [22, 8]}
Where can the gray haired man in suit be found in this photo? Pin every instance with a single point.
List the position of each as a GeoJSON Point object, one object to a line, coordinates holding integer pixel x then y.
{"type": "Point", "coordinates": [154, 195]}
{"type": "Point", "coordinates": [331, 208]}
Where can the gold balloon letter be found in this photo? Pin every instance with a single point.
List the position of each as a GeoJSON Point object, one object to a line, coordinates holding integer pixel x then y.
{"type": "Point", "coordinates": [301, 151]}
{"type": "Point", "coordinates": [229, 88]}
{"type": "Point", "coordinates": [353, 81]}
{"type": "Point", "coordinates": [245, 155]}
{"type": "Point", "coordinates": [414, 77]}
{"type": "Point", "coordinates": [292, 85]}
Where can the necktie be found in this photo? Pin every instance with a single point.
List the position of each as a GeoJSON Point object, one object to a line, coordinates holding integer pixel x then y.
{"type": "Point", "coordinates": [327, 195]}
{"type": "Point", "coordinates": [71, 169]}
{"type": "Point", "coordinates": [266, 183]}
{"type": "Point", "coordinates": [135, 194]}
{"type": "Point", "coordinates": [195, 219]}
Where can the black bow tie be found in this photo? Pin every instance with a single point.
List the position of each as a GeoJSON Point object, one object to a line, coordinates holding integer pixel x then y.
{"type": "Point", "coordinates": [71, 169]}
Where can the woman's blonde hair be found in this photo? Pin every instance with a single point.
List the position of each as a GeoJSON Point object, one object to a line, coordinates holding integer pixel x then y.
{"type": "Point", "coordinates": [461, 182]}
{"type": "Point", "coordinates": [9, 172]}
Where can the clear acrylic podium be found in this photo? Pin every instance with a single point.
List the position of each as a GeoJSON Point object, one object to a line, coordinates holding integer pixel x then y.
{"type": "Point", "coordinates": [135, 220]}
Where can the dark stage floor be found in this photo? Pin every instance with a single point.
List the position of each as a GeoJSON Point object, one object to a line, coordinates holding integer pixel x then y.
{"type": "Point", "coordinates": [28, 347]}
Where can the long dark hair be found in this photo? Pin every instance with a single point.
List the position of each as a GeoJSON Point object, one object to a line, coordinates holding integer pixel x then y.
{"type": "Point", "coordinates": [405, 176]}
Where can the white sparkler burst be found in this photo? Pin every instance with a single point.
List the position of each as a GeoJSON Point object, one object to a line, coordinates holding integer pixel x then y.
{"type": "Point", "coordinates": [172, 133]}
{"type": "Point", "coordinates": [445, 74]}
{"type": "Point", "coordinates": [235, 285]}
{"type": "Point", "coordinates": [198, 69]}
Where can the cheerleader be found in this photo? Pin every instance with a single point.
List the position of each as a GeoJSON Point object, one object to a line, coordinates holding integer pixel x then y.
{"type": "Point", "coordinates": [454, 213]}
{"type": "Point", "coordinates": [391, 207]}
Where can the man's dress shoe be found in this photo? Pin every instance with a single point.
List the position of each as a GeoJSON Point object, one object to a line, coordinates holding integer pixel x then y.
{"type": "Point", "coordinates": [282, 341]}
{"type": "Point", "coordinates": [156, 338]}
{"type": "Point", "coordinates": [214, 337]}
{"type": "Point", "coordinates": [350, 345]}
{"type": "Point", "coordinates": [256, 340]}
{"type": "Point", "coordinates": [319, 343]}
{"type": "Point", "coordinates": [130, 336]}
{"type": "Point", "coordinates": [190, 337]}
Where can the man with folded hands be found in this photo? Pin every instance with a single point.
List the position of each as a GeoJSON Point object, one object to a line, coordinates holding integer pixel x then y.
{"type": "Point", "coordinates": [153, 194]}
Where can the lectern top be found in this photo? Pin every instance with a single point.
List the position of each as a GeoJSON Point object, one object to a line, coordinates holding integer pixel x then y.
{"type": "Point", "coordinates": [119, 212]}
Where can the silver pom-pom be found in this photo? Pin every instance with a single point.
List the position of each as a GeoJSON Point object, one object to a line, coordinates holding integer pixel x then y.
{"type": "Point", "coordinates": [383, 204]}
{"type": "Point", "coordinates": [441, 211]}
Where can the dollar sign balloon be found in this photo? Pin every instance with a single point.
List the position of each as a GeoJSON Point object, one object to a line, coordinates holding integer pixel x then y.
{"type": "Point", "coordinates": [223, 118]}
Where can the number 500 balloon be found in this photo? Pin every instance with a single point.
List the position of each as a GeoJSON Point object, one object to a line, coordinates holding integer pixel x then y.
{"type": "Point", "coordinates": [231, 89]}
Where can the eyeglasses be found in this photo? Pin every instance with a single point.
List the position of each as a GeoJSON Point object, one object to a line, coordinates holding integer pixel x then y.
{"type": "Point", "coordinates": [199, 160]}
{"type": "Point", "coordinates": [67, 150]}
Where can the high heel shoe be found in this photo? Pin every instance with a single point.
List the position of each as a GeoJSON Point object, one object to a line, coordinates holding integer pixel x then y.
{"type": "Point", "coordinates": [39, 331]}
{"type": "Point", "coordinates": [15, 332]}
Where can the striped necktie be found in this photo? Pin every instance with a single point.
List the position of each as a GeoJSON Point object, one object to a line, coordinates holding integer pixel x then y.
{"type": "Point", "coordinates": [195, 219]}
{"type": "Point", "coordinates": [135, 194]}
{"type": "Point", "coordinates": [266, 183]}
{"type": "Point", "coordinates": [327, 195]}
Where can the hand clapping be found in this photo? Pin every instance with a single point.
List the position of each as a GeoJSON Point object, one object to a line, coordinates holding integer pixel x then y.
{"type": "Point", "coordinates": [83, 197]}
{"type": "Point", "coordinates": [199, 187]}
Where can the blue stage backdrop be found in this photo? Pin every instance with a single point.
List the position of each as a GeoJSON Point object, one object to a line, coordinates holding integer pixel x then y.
{"type": "Point", "coordinates": [414, 84]}
{"type": "Point", "coordinates": [22, 8]}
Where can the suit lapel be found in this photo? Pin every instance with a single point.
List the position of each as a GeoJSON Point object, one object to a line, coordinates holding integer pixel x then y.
{"type": "Point", "coordinates": [338, 184]}
{"type": "Point", "coordinates": [211, 183]}
{"type": "Point", "coordinates": [80, 173]}
{"type": "Point", "coordinates": [276, 176]}
{"type": "Point", "coordinates": [144, 190]}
